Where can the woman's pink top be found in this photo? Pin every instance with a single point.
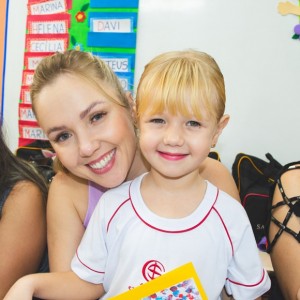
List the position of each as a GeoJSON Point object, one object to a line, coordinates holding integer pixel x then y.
{"type": "Point", "coordinates": [95, 193]}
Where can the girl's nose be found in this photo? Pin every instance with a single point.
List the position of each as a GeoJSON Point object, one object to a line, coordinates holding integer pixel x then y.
{"type": "Point", "coordinates": [174, 136]}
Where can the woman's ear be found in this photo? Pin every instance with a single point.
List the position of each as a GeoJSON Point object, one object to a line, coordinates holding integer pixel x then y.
{"type": "Point", "coordinates": [220, 126]}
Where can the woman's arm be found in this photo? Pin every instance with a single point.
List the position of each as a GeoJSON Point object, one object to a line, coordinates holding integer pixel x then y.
{"type": "Point", "coordinates": [215, 172]}
{"type": "Point", "coordinates": [22, 234]}
{"type": "Point", "coordinates": [66, 209]}
{"type": "Point", "coordinates": [285, 254]}
{"type": "Point", "coordinates": [65, 285]}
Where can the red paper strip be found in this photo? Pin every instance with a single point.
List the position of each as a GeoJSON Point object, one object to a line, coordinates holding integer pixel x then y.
{"type": "Point", "coordinates": [30, 132]}
{"type": "Point", "coordinates": [47, 42]}
{"type": "Point", "coordinates": [32, 59]}
{"type": "Point", "coordinates": [26, 113]}
{"type": "Point", "coordinates": [48, 24]}
{"type": "Point", "coordinates": [68, 2]}
{"type": "Point", "coordinates": [25, 95]}
{"type": "Point", "coordinates": [47, 7]}
{"type": "Point", "coordinates": [27, 77]}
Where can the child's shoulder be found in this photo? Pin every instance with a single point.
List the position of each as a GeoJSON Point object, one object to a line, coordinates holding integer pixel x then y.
{"type": "Point", "coordinates": [224, 201]}
{"type": "Point", "coordinates": [124, 189]}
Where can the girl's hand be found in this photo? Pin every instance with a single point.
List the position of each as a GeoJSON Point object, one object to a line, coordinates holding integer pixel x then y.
{"type": "Point", "coordinates": [59, 285]}
{"type": "Point", "coordinates": [20, 290]}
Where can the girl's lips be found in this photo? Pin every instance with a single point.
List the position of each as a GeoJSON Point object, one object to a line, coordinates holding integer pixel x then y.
{"type": "Point", "coordinates": [172, 156]}
{"type": "Point", "coordinates": [103, 162]}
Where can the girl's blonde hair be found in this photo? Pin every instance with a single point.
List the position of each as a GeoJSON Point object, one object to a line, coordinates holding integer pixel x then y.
{"type": "Point", "coordinates": [82, 64]}
{"type": "Point", "coordinates": [180, 81]}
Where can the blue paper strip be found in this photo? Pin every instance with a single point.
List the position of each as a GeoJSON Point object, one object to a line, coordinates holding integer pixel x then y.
{"type": "Point", "coordinates": [114, 3]}
{"type": "Point", "coordinates": [112, 40]}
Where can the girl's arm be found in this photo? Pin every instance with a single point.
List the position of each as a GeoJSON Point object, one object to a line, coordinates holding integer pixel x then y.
{"type": "Point", "coordinates": [64, 285]}
{"type": "Point", "coordinates": [22, 234]}
{"type": "Point", "coordinates": [285, 253]}
{"type": "Point", "coordinates": [66, 209]}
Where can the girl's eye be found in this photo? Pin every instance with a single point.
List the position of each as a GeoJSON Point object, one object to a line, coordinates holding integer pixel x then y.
{"type": "Point", "coordinates": [97, 117]}
{"type": "Point", "coordinates": [193, 124]}
{"type": "Point", "coordinates": [157, 121]}
{"type": "Point", "coordinates": [62, 137]}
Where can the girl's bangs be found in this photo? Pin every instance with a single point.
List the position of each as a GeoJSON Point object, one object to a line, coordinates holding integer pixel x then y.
{"type": "Point", "coordinates": [178, 94]}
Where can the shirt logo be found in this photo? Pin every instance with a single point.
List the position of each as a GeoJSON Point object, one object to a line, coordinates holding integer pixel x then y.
{"type": "Point", "coordinates": [152, 269]}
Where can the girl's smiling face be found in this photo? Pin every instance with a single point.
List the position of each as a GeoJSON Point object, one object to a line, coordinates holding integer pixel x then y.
{"type": "Point", "coordinates": [92, 136]}
{"type": "Point", "coordinates": [176, 145]}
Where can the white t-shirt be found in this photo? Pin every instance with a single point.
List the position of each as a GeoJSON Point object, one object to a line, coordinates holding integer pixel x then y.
{"type": "Point", "coordinates": [126, 244]}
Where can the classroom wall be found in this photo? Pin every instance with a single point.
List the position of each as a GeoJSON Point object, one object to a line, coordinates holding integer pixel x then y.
{"type": "Point", "coordinates": [250, 41]}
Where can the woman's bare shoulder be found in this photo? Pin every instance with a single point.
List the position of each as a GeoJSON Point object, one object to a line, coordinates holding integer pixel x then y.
{"type": "Point", "coordinates": [67, 182]}
{"type": "Point", "coordinates": [218, 174]}
{"type": "Point", "coordinates": [67, 191]}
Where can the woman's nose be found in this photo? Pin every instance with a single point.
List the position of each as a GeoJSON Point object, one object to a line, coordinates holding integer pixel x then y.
{"type": "Point", "coordinates": [87, 146]}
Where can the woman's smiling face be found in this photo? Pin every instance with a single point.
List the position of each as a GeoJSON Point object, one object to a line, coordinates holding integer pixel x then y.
{"type": "Point", "coordinates": [92, 136]}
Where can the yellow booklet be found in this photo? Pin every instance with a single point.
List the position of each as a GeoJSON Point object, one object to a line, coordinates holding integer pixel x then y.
{"type": "Point", "coordinates": [181, 283]}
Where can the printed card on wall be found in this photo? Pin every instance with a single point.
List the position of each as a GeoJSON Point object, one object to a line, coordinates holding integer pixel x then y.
{"type": "Point", "coordinates": [118, 62]}
{"type": "Point", "coordinates": [30, 133]}
{"type": "Point", "coordinates": [181, 283]}
{"type": "Point", "coordinates": [25, 95]}
{"type": "Point", "coordinates": [32, 59]}
{"type": "Point", "coordinates": [47, 7]}
{"type": "Point", "coordinates": [26, 113]}
{"type": "Point", "coordinates": [48, 24]}
{"type": "Point", "coordinates": [47, 42]}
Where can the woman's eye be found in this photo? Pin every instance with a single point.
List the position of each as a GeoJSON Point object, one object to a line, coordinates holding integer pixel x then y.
{"type": "Point", "coordinates": [62, 137]}
{"type": "Point", "coordinates": [97, 117]}
{"type": "Point", "coordinates": [193, 124]}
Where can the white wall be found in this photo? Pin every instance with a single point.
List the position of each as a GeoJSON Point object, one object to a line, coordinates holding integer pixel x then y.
{"type": "Point", "coordinates": [14, 63]}
{"type": "Point", "coordinates": [249, 39]}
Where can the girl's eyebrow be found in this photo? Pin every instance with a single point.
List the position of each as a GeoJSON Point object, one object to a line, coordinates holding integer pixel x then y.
{"type": "Point", "coordinates": [89, 108]}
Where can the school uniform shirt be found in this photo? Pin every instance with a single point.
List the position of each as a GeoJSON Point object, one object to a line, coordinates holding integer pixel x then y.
{"type": "Point", "coordinates": [126, 244]}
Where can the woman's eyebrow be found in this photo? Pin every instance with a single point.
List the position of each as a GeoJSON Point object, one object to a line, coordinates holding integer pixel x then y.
{"type": "Point", "coordinates": [53, 129]}
{"type": "Point", "coordinates": [89, 108]}
{"type": "Point", "coordinates": [81, 115]}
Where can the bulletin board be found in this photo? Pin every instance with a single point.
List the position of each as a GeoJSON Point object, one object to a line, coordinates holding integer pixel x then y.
{"type": "Point", "coordinates": [105, 28]}
{"type": "Point", "coordinates": [255, 46]}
